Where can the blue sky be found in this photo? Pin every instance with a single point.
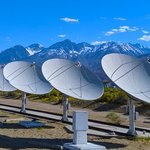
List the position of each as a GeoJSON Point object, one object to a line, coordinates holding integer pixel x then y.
{"type": "Point", "coordinates": [48, 21]}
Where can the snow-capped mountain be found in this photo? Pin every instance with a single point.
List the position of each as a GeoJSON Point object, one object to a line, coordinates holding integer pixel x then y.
{"type": "Point", "coordinates": [89, 55]}
{"type": "Point", "coordinates": [132, 49]}
{"type": "Point", "coordinates": [17, 52]}
{"type": "Point", "coordinates": [34, 48]}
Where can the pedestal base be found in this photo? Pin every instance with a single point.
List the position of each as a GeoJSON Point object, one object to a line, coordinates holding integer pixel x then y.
{"type": "Point", "coordinates": [65, 109]}
{"type": "Point", "coordinates": [23, 111]}
{"type": "Point", "coordinates": [24, 101]}
{"type": "Point", "coordinates": [64, 120]}
{"type": "Point", "coordinates": [88, 146]}
{"type": "Point", "coordinates": [132, 133]}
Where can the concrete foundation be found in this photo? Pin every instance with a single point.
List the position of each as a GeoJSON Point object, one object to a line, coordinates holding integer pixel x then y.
{"type": "Point", "coordinates": [87, 146]}
{"type": "Point", "coordinates": [80, 127]}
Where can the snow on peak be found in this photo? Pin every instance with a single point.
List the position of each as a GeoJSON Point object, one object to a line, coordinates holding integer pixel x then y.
{"type": "Point", "coordinates": [34, 48]}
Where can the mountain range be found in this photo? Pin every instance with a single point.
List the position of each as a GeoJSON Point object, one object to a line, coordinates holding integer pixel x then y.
{"type": "Point", "coordinates": [89, 55]}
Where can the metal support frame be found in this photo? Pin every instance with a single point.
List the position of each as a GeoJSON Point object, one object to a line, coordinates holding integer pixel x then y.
{"type": "Point", "coordinates": [132, 118]}
{"type": "Point", "coordinates": [65, 108]}
{"type": "Point", "coordinates": [24, 101]}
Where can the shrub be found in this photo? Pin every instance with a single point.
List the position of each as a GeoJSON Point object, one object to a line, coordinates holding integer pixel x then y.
{"type": "Point", "coordinates": [113, 95]}
{"type": "Point", "coordinates": [113, 118]}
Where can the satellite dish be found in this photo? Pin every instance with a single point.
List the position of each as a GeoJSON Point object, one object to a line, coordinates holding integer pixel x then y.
{"type": "Point", "coordinates": [129, 73]}
{"type": "Point", "coordinates": [4, 84]}
{"type": "Point", "coordinates": [72, 79]}
{"type": "Point", "coordinates": [26, 77]}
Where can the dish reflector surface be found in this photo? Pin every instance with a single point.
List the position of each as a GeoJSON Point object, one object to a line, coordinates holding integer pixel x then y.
{"type": "Point", "coordinates": [4, 84]}
{"type": "Point", "coordinates": [26, 77]}
{"type": "Point", "coordinates": [129, 73]}
{"type": "Point", "coordinates": [72, 79]}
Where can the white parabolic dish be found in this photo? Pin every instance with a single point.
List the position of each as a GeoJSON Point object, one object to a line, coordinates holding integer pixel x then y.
{"type": "Point", "coordinates": [4, 84]}
{"type": "Point", "coordinates": [72, 79]}
{"type": "Point", "coordinates": [129, 73]}
{"type": "Point", "coordinates": [26, 77]}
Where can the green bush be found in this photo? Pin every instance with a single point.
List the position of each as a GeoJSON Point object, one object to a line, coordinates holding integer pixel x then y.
{"type": "Point", "coordinates": [114, 95]}
{"type": "Point", "coordinates": [113, 118]}
{"type": "Point", "coordinates": [15, 94]}
{"type": "Point", "coordinates": [111, 95]}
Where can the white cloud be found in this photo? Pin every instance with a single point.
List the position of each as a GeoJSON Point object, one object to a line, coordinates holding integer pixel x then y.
{"type": "Point", "coordinates": [97, 42]}
{"type": "Point", "coordinates": [69, 20]}
{"type": "Point", "coordinates": [120, 18]}
{"type": "Point", "coordinates": [8, 39]}
{"type": "Point", "coordinates": [145, 38]}
{"type": "Point", "coordinates": [121, 29]}
{"type": "Point", "coordinates": [62, 35]}
{"type": "Point", "coordinates": [145, 32]}
{"type": "Point", "coordinates": [148, 16]}
{"type": "Point", "coordinates": [109, 33]}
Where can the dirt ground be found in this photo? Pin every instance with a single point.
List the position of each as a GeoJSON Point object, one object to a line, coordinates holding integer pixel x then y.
{"type": "Point", "coordinates": [143, 121]}
{"type": "Point", "coordinates": [13, 136]}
